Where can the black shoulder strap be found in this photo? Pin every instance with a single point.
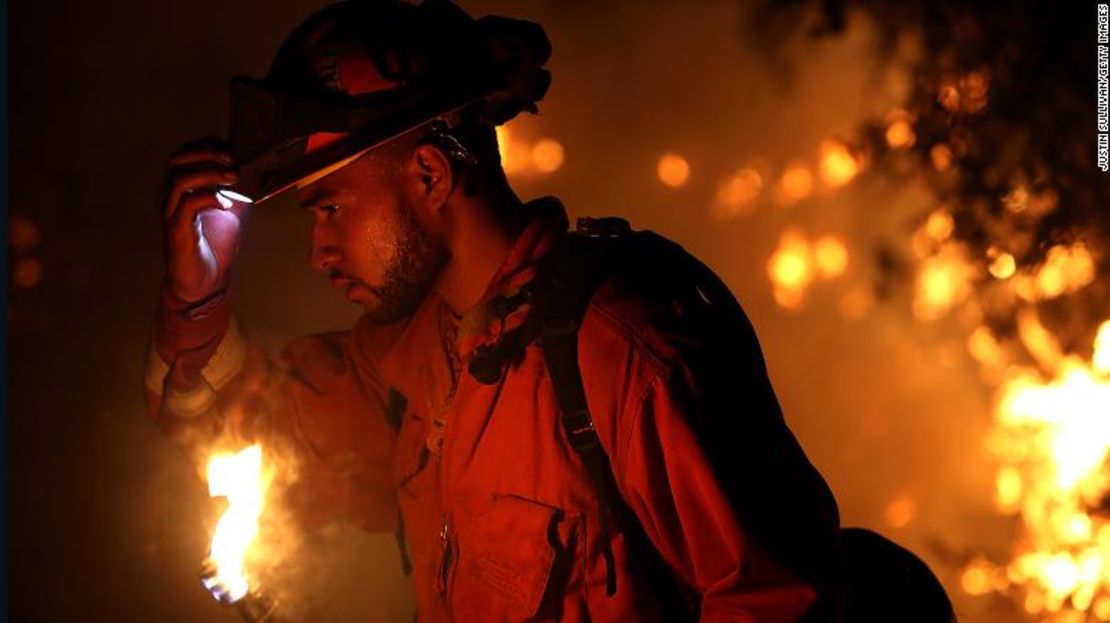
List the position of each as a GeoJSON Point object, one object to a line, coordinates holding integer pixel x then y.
{"type": "Point", "coordinates": [570, 276]}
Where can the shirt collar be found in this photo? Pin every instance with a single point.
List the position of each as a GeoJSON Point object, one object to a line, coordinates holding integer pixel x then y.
{"type": "Point", "coordinates": [481, 324]}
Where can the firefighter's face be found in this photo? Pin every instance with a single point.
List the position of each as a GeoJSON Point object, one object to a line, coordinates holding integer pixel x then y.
{"type": "Point", "coordinates": [368, 237]}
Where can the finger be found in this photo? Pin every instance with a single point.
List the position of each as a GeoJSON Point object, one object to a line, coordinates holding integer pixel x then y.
{"type": "Point", "coordinates": [192, 181]}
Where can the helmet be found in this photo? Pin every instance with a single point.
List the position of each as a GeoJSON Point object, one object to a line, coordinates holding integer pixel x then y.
{"type": "Point", "coordinates": [361, 72]}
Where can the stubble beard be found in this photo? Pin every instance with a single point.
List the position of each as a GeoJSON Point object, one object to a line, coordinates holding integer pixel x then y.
{"type": "Point", "coordinates": [408, 281]}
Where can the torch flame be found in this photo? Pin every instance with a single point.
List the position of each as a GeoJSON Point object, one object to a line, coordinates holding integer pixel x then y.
{"type": "Point", "coordinates": [239, 478]}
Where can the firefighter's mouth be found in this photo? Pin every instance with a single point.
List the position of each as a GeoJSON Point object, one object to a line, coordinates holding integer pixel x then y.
{"type": "Point", "coordinates": [341, 280]}
{"type": "Point", "coordinates": [351, 286]}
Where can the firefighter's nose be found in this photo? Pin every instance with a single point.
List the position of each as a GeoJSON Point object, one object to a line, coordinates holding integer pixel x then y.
{"type": "Point", "coordinates": [323, 256]}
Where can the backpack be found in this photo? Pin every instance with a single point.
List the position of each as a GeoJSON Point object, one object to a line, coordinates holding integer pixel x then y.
{"type": "Point", "coordinates": [882, 578]}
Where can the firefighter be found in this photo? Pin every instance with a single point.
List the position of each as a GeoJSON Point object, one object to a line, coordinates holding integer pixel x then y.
{"type": "Point", "coordinates": [565, 425]}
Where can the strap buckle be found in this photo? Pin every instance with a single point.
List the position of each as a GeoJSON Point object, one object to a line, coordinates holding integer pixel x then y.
{"type": "Point", "coordinates": [579, 427]}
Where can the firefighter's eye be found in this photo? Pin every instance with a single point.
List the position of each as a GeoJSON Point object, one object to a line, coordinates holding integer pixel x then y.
{"type": "Point", "coordinates": [329, 209]}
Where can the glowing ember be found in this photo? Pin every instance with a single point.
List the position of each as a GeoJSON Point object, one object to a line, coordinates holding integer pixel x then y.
{"type": "Point", "coordinates": [789, 269]}
{"type": "Point", "coordinates": [974, 87]}
{"type": "Point", "coordinates": [943, 281]}
{"type": "Point", "coordinates": [795, 184]}
{"type": "Point", "coordinates": [673, 170]}
{"type": "Point", "coordinates": [831, 257]}
{"type": "Point", "coordinates": [1017, 200]}
{"type": "Point", "coordinates": [939, 226]}
{"type": "Point", "coordinates": [941, 157]}
{"type": "Point", "coordinates": [838, 167]}
{"type": "Point", "coordinates": [900, 512]}
{"type": "Point", "coordinates": [978, 578]}
{"type": "Point", "coordinates": [736, 192]}
{"type": "Point", "coordinates": [797, 263]}
{"type": "Point", "coordinates": [239, 478]}
{"type": "Point", "coordinates": [949, 97]}
{"type": "Point", "coordinates": [1065, 269]}
{"type": "Point", "coordinates": [899, 130]}
{"type": "Point", "coordinates": [1002, 265]}
{"type": "Point", "coordinates": [548, 155]}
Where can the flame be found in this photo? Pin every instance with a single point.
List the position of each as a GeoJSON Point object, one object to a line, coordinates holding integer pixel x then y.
{"type": "Point", "coordinates": [239, 478]}
{"type": "Point", "coordinates": [1052, 440]}
{"type": "Point", "coordinates": [1101, 358]}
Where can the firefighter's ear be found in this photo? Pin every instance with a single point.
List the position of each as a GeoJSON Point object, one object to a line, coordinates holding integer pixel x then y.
{"type": "Point", "coordinates": [433, 170]}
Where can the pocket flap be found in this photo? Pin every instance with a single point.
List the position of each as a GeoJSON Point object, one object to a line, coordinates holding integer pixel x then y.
{"type": "Point", "coordinates": [512, 550]}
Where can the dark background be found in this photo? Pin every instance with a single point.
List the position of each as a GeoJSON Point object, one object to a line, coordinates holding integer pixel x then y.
{"type": "Point", "coordinates": [107, 522]}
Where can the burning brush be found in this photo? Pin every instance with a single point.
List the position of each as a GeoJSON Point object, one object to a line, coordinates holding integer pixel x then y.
{"type": "Point", "coordinates": [239, 478]}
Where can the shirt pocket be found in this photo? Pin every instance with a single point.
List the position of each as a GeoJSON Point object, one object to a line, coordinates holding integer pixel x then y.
{"type": "Point", "coordinates": [514, 561]}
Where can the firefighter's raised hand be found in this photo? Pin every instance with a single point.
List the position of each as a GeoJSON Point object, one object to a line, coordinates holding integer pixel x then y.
{"type": "Point", "coordinates": [202, 229]}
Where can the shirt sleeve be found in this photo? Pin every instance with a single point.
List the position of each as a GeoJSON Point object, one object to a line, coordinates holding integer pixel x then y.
{"type": "Point", "coordinates": [319, 409]}
{"type": "Point", "coordinates": [726, 494]}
